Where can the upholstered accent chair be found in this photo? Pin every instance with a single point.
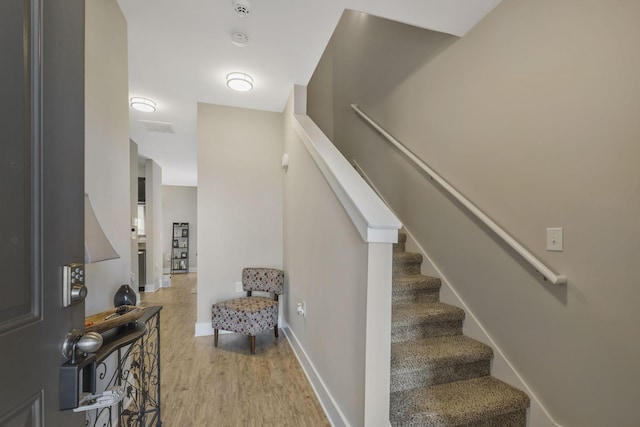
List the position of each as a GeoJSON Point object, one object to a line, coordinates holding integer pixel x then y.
{"type": "Point", "coordinates": [251, 314]}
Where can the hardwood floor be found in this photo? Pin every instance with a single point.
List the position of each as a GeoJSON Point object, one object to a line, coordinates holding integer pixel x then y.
{"type": "Point", "coordinates": [206, 386]}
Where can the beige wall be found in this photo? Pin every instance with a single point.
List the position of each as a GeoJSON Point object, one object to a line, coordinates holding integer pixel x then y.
{"type": "Point", "coordinates": [133, 212]}
{"type": "Point", "coordinates": [533, 115]}
{"type": "Point", "coordinates": [179, 204]}
{"type": "Point", "coordinates": [154, 225]}
{"type": "Point", "coordinates": [107, 146]}
{"type": "Point", "coordinates": [239, 199]}
{"type": "Point", "coordinates": [326, 264]}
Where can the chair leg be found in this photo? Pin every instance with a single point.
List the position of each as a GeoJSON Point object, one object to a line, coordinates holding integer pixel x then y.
{"type": "Point", "coordinates": [275, 330]}
{"type": "Point", "coordinates": [252, 339]}
{"type": "Point", "coordinates": [215, 337]}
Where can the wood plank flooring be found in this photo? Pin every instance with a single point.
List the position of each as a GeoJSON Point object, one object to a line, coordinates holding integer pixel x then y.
{"type": "Point", "coordinates": [205, 386]}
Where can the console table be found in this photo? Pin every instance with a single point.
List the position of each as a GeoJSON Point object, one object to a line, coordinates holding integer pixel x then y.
{"type": "Point", "coordinates": [137, 368]}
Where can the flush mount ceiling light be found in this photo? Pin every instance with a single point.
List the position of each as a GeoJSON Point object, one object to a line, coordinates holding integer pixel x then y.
{"type": "Point", "coordinates": [239, 39]}
{"type": "Point", "coordinates": [241, 82]}
{"type": "Point", "coordinates": [143, 104]}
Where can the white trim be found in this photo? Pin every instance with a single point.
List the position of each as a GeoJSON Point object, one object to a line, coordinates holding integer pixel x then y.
{"type": "Point", "coordinates": [151, 287]}
{"type": "Point", "coordinates": [373, 220]}
{"type": "Point", "coordinates": [328, 403]}
{"type": "Point", "coordinates": [377, 369]}
{"type": "Point", "coordinates": [204, 329]}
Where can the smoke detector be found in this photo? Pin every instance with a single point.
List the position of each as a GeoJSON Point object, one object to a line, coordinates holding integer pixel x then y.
{"type": "Point", "coordinates": [241, 7]}
{"type": "Point", "coordinates": [239, 39]}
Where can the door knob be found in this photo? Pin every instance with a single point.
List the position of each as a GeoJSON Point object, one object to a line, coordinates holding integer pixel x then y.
{"type": "Point", "coordinates": [76, 339]}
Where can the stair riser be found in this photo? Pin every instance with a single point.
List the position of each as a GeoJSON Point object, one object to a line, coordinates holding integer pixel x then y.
{"type": "Point", "coordinates": [425, 330]}
{"type": "Point", "coordinates": [431, 375]}
{"type": "Point", "coordinates": [416, 296]}
{"type": "Point", "coordinates": [407, 268]}
{"type": "Point", "coordinates": [514, 419]}
{"type": "Point", "coordinates": [399, 247]}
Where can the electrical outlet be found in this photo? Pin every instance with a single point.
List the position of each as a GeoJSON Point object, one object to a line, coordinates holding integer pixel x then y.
{"type": "Point", "coordinates": [302, 309]}
{"type": "Point", "coordinates": [554, 239]}
{"type": "Point", "coordinates": [239, 287]}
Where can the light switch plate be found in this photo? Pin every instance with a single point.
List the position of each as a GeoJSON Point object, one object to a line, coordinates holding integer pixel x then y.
{"type": "Point", "coordinates": [554, 239]}
{"type": "Point", "coordinates": [239, 287]}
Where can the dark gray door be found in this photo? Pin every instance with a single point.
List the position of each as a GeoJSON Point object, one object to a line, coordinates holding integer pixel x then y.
{"type": "Point", "coordinates": [41, 196]}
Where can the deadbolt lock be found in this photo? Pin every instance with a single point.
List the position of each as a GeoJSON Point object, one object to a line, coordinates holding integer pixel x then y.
{"type": "Point", "coordinates": [74, 290]}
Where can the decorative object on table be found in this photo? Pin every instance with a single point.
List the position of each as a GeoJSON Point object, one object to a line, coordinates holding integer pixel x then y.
{"type": "Point", "coordinates": [113, 318]}
{"type": "Point", "coordinates": [185, 232]}
{"type": "Point", "coordinates": [184, 255]}
{"type": "Point", "coordinates": [125, 296]}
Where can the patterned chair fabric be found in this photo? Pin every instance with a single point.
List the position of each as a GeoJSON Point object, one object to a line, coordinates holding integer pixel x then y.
{"type": "Point", "coordinates": [252, 314]}
{"type": "Point", "coordinates": [263, 279]}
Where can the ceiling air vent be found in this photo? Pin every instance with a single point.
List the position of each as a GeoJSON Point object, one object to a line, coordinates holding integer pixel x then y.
{"type": "Point", "coordinates": [241, 7]}
{"type": "Point", "coordinates": [162, 127]}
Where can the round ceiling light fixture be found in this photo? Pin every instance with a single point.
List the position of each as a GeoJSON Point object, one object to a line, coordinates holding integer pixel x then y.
{"type": "Point", "coordinates": [142, 104]}
{"type": "Point", "coordinates": [239, 39]}
{"type": "Point", "coordinates": [242, 82]}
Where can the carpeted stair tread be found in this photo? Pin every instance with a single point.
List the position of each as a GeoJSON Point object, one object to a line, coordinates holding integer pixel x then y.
{"type": "Point", "coordinates": [426, 362]}
{"type": "Point", "coordinates": [420, 320]}
{"type": "Point", "coordinates": [439, 377]}
{"type": "Point", "coordinates": [485, 401]}
{"type": "Point", "coordinates": [404, 314]}
{"type": "Point", "coordinates": [407, 257]}
{"type": "Point", "coordinates": [450, 350]}
{"type": "Point", "coordinates": [415, 288]}
{"type": "Point", "coordinates": [415, 282]}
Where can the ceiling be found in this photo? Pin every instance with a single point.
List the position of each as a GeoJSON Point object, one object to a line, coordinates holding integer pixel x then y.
{"type": "Point", "coordinates": [181, 51]}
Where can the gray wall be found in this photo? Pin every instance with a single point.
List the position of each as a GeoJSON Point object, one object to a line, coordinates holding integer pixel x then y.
{"type": "Point", "coordinates": [239, 199]}
{"type": "Point", "coordinates": [107, 146]}
{"type": "Point", "coordinates": [153, 224]}
{"type": "Point", "coordinates": [133, 200]}
{"type": "Point", "coordinates": [325, 261]}
{"type": "Point", "coordinates": [533, 115]}
{"type": "Point", "coordinates": [179, 204]}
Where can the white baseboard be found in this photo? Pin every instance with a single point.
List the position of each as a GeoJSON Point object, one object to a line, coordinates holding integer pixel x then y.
{"type": "Point", "coordinates": [151, 287]}
{"type": "Point", "coordinates": [203, 329]}
{"type": "Point", "coordinates": [166, 270]}
{"type": "Point", "coordinates": [328, 403]}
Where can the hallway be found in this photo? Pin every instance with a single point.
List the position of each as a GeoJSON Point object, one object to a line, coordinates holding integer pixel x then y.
{"type": "Point", "coordinates": [204, 386]}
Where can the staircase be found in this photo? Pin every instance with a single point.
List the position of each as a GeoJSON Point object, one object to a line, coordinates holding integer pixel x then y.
{"type": "Point", "coordinates": [440, 377]}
